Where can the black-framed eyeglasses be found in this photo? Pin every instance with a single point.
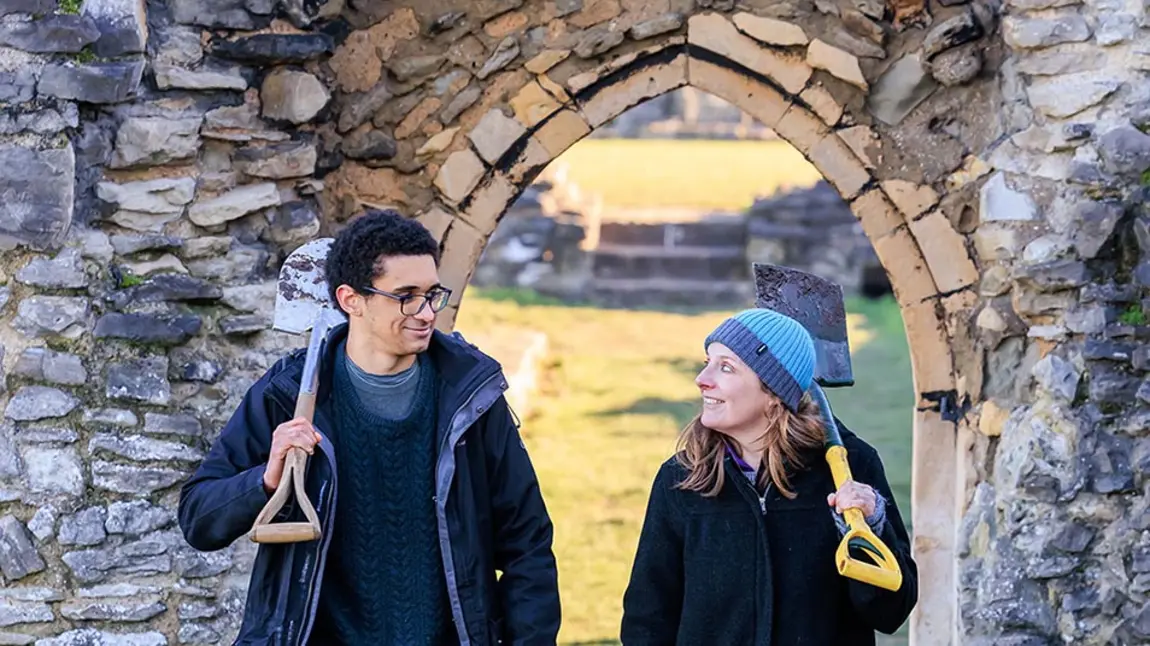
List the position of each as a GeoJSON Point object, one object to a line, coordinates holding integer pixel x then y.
{"type": "Point", "coordinates": [436, 297]}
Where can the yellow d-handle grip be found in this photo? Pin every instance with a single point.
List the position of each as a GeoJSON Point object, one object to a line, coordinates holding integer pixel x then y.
{"type": "Point", "coordinates": [885, 572]}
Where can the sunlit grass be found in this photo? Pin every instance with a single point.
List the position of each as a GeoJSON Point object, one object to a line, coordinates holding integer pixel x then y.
{"type": "Point", "coordinates": [617, 388]}
{"type": "Point", "coordinates": [705, 174]}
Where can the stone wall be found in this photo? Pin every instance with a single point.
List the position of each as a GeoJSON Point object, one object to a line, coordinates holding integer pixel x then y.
{"type": "Point", "coordinates": [160, 159]}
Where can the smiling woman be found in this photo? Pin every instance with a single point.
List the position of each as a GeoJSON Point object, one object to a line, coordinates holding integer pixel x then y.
{"type": "Point", "coordinates": [742, 480]}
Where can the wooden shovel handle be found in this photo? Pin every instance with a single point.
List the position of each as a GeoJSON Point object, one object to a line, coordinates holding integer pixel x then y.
{"type": "Point", "coordinates": [295, 465]}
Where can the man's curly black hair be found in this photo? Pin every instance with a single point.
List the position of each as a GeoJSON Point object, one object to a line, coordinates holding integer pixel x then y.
{"type": "Point", "coordinates": [356, 253]}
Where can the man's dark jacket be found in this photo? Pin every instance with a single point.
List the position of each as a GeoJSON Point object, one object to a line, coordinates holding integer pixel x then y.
{"type": "Point", "coordinates": [491, 515]}
{"type": "Point", "coordinates": [736, 570]}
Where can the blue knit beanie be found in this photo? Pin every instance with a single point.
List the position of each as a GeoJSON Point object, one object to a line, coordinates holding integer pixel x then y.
{"type": "Point", "coordinates": [775, 346]}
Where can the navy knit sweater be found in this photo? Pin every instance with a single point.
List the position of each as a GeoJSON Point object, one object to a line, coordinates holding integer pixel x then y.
{"type": "Point", "coordinates": [384, 582]}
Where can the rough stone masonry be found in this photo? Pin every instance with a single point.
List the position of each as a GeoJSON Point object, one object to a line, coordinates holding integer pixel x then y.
{"type": "Point", "coordinates": [161, 158]}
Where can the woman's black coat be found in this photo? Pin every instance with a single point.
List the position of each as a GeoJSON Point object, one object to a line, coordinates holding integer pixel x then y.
{"type": "Point", "coordinates": [721, 572]}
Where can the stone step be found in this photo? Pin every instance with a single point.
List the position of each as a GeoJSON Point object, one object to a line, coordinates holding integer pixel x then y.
{"type": "Point", "coordinates": [654, 292]}
{"type": "Point", "coordinates": [724, 232]}
{"type": "Point", "coordinates": [699, 263]}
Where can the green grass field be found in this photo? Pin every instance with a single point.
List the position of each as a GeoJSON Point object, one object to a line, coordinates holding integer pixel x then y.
{"type": "Point", "coordinates": [618, 386]}
{"type": "Point", "coordinates": [704, 174]}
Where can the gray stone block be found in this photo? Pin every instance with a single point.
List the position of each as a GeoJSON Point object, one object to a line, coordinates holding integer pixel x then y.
{"type": "Point", "coordinates": [65, 271]}
{"type": "Point", "coordinates": [122, 25]}
{"type": "Point", "coordinates": [42, 364]}
{"type": "Point", "coordinates": [64, 316]}
{"type": "Point", "coordinates": [53, 470]}
{"type": "Point", "coordinates": [18, 556]}
{"type": "Point", "coordinates": [36, 195]}
{"type": "Point", "coordinates": [137, 517]}
{"type": "Point", "coordinates": [227, 14]}
{"type": "Point", "coordinates": [32, 403]}
{"type": "Point", "coordinates": [135, 480]}
{"type": "Point", "coordinates": [159, 329]}
{"type": "Point", "coordinates": [85, 527]}
{"type": "Point", "coordinates": [101, 83]}
{"type": "Point", "coordinates": [142, 380]}
{"type": "Point", "coordinates": [52, 34]}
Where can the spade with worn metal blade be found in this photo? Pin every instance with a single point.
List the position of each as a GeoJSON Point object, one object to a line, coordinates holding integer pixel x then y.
{"type": "Point", "coordinates": [302, 303]}
{"type": "Point", "coordinates": [818, 305]}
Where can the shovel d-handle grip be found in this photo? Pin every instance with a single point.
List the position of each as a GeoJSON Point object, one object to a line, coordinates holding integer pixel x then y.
{"type": "Point", "coordinates": [884, 572]}
{"type": "Point", "coordinates": [295, 464]}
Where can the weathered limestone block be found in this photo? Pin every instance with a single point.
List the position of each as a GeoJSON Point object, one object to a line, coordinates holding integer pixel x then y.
{"type": "Point", "coordinates": [277, 161]}
{"type": "Point", "coordinates": [1067, 95]}
{"type": "Point", "coordinates": [139, 380]}
{"type": "Point", "coordinates": [108, 418]}
{"type": "Point", "coordinates": [714, 32]}
{"type": "Point", "coordinates": [155, 141]}
{"type": "Point", "coordinates": [65, 271]}
{"type": "Point", "coordinates": [234, 204]}
{"type": "Point", "coordinates": [93, 637]}
{"type": "Point", "coordinates": [99, 82]}
{"type": "Point", "coordinates": [227, 14]}
{"type": "Point", "coordinates": [84, 528]}
{"type": "Point", "coordinates": [844, 65]}
{"type": "Point", "coordinates": [46, 316]}
{"type": "Point", "coordinates": [1031, 33]}
{"type": "Point", "coordinates": [122, 24]}
{"type": "Point", "coordinates": [31, 403]}
{"type": "Point", "coordinates": [54, 33]}
{"type": "Point", "coordinates": [652, 27]}
{"type": "Point", "coordinates": [170, 77]}
{"type": "Point", "coordinates": [52, 470]}
{"type": "Point", "coordinates": [159, 329]}
{"type": "Point", "coordinates": [36, 196]}
{"type": "Point", "coordinates": [275, 49]}
{"type": "Point", "coordinates": [293, 96]}
{"type": "Point", "coordinates": [143, 449]}
{"type": "Point", "coordinates": [771, 31]}
{"type": "Point", "coordinates": [136, 480]}
{"type": "Point", "coordinates": [459, 175]}
{"type": "Point", "coordinates": [505, 52]}
{"type": "Point", "coordinates": [18, 556]}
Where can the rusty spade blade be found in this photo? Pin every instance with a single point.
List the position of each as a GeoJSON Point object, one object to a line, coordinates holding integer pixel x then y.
{"type": "Point", "coordinates": [818, 305]}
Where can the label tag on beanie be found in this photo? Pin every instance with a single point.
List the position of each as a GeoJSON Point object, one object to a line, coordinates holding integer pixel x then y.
{"type": "Point", "coordinates": [762, 348]}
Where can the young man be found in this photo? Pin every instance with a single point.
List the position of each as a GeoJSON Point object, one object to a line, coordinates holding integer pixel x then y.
{"type": "Point", "coordinates": [417, 472]}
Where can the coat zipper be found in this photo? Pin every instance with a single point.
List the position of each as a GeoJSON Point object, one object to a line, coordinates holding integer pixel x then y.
{"type": "Point", "coordinates": [446, 459]}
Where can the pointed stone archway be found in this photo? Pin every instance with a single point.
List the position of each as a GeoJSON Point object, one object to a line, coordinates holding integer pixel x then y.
{"type": "Point", "coordinates": [927, 260]}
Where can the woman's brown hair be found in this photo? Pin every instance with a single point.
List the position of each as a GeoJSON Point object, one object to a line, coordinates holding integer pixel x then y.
{"type": "Point", "coordinates": [787, 439]}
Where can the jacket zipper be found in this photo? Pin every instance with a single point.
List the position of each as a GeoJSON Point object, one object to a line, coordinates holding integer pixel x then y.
{"type": "Point", "coordinates": [446, 458]}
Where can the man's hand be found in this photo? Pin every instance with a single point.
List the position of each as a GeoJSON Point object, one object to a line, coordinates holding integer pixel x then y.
{"type": "Point", "coordinates": [294, 433]}
{"type": "Point", "coordinates": [854, 495]}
